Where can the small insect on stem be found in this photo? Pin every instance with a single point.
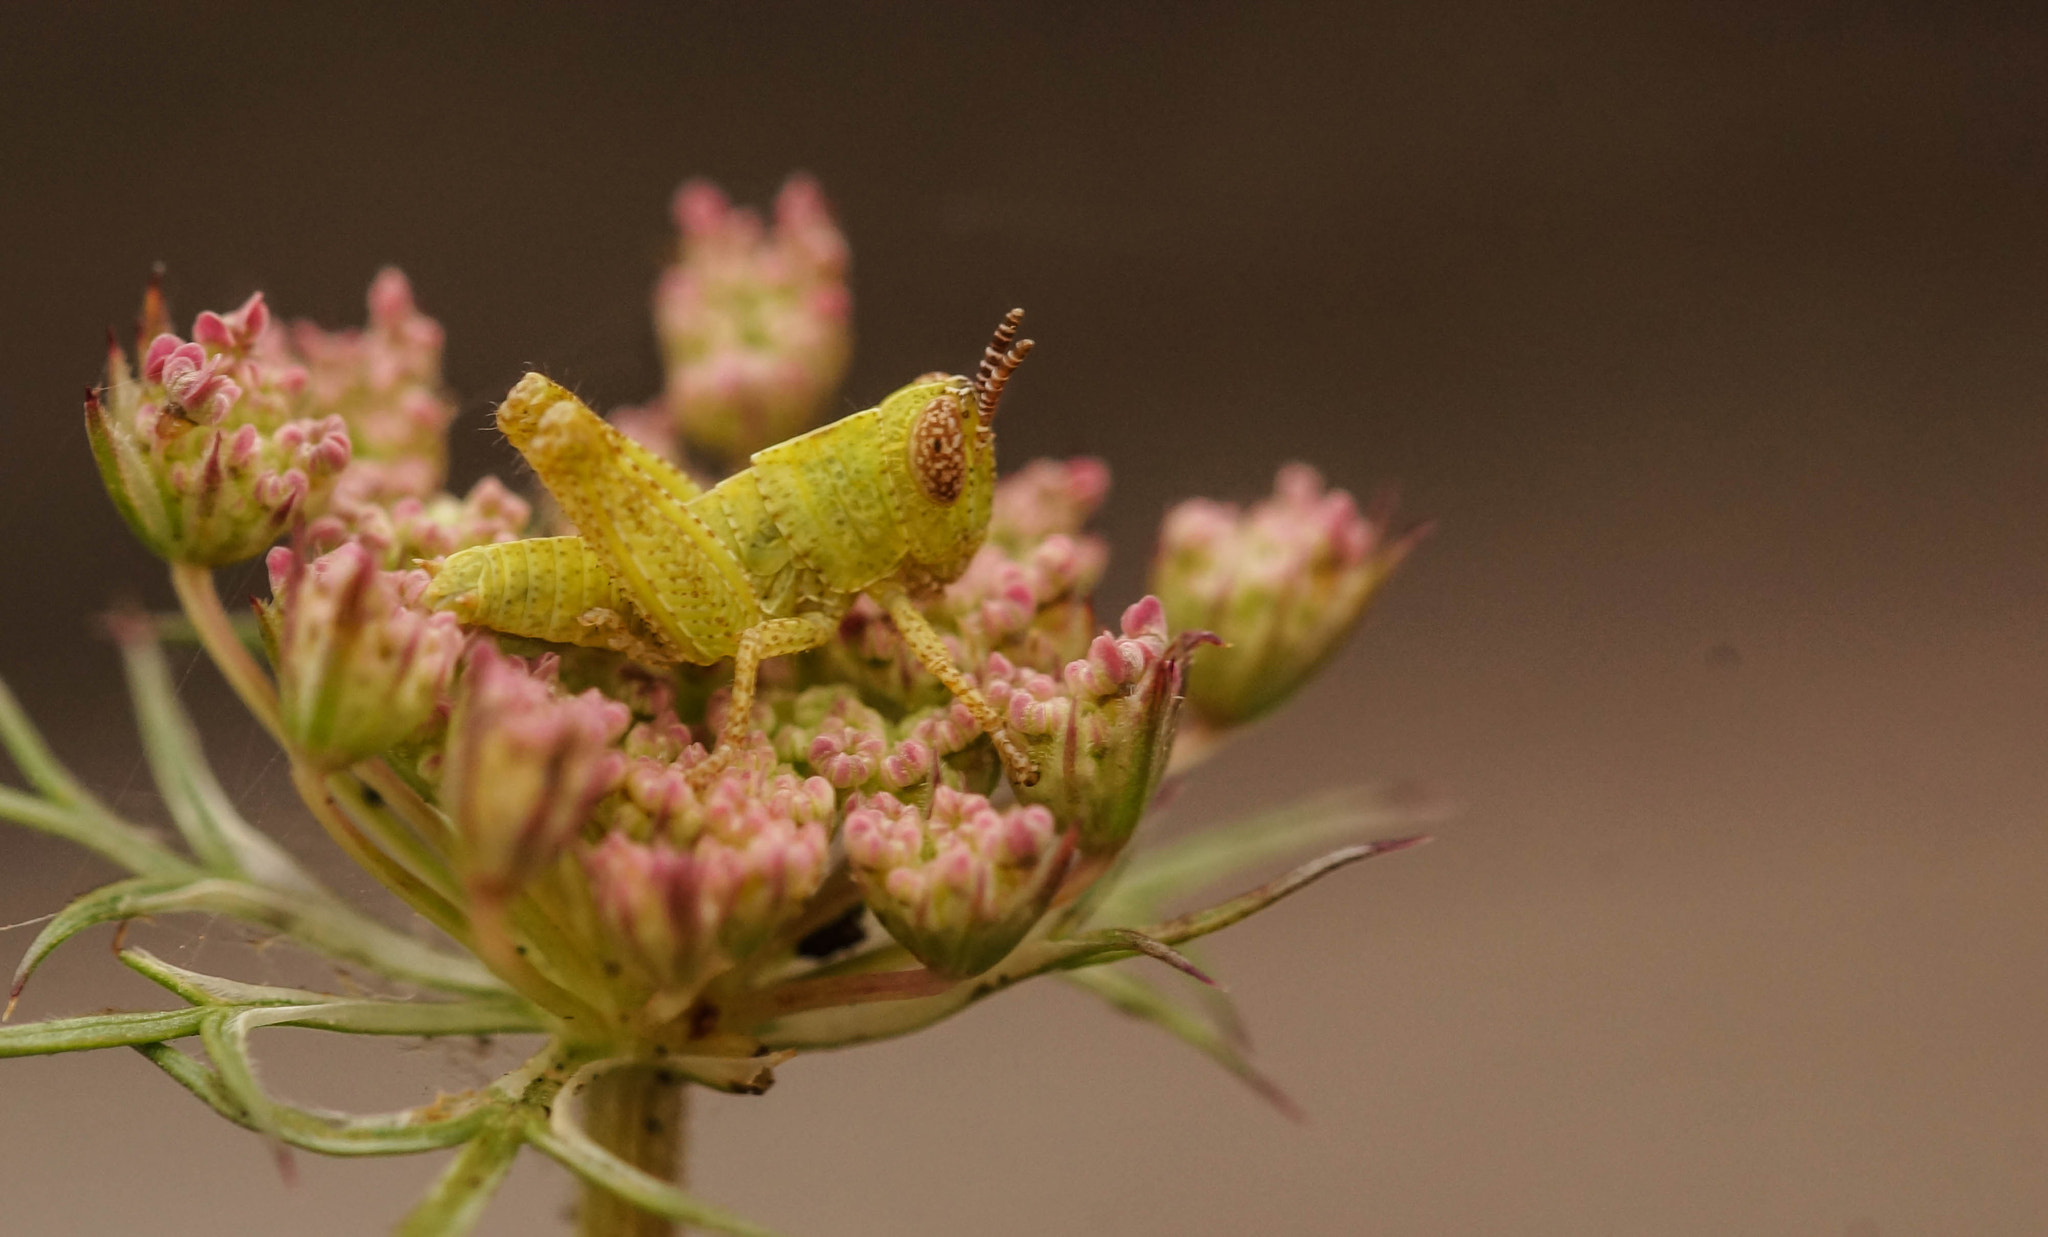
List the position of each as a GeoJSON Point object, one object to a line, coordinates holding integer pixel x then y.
{"type": "Point", "coordinates": [891, 502]}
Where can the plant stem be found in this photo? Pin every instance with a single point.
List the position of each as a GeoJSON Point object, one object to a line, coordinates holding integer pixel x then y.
{"type": "Point", "coordinates": [201, 600]}
{"type": "Point", "coordinates": [636, 1112]}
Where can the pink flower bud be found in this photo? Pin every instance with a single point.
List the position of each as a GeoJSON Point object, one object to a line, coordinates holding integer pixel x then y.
{"type": "Point", "coordinates": [958, 885]}
{"type": "Point", "coordinates": [233, 332]}
{"type": "Point", "coordinates": [200, 452]}
{"type": "Point", "coordinates": [1101, 733]}
{"type": "Point", "coordinates": [1046, 497]}
{"type": "Point", "coordinates": [1281, 584]}
{"type": "Point", "coordinates": [753, 320]}
{"type": "Point", "coordinates": [525, 766]}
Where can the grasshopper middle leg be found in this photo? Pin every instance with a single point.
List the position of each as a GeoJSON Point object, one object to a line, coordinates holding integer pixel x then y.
{"type": "Point", "coordinates": [777, 637]}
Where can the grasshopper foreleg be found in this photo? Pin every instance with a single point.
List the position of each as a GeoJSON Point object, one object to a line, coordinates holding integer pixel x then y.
{"type": "Point", "coordinates": [930, 652]}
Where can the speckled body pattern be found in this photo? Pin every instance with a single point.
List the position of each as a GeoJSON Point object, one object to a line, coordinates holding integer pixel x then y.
{"type": "Point", "coordinates": [892, 502]}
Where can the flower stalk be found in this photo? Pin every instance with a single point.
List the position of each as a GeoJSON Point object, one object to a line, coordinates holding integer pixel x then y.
{"type": "Point", "coordinates": [639, 1113]}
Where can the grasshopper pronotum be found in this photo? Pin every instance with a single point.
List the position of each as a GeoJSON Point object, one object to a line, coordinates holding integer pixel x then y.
{"type": "Point", "coordinates": [891, 502]}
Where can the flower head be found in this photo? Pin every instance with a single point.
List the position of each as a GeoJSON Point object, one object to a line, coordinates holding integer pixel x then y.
{"type": "Point", "coordinates": [961, 884]}
{"type": "Point", "coordinates": [753, 320]}
{"type": "Point", "coordinates": [411, 527]}
{"type": "Point", "coordinates": [1100, 732]}
{"type": "Point", "coordinates": [525, 766]}
{"type": "Point", "coordinates": [358, 668]}
{"type": "Point", "coordinates": [384, 381]}
{"type": "Point", "coordinates": [1046, 497]}
{"type": "Point", "coordinates": [1281, 584]}
{"type": "Point", "coordinates": [720, 875]}
{"type": "Point", "coordinates": [199, 450]}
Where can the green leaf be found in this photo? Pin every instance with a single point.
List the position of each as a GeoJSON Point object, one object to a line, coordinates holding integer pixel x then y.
{"type": "Point", "coordinates": [120, 900]}
{"type": "Point", "coordinates": [1201, 923]}
{"type": "Point", "coordinates": [233, 1089]}
{"type": "Point", "coordinates": [32, 755]}
{"type": "Point", "coordinates": [840, 1026]}
{"type": "Point", "coordinates": [1132, 996]}
{"type": "Point", "coordinates": [106, 835]}
{"type": "Point", "coordinates": [223, 841]}
{"type": "Point", "coordinates": [1185, 865]}
{"type": "Point", "coordinates": [65, 807]}
{"type": "Point", "coordinates": [457, 1200]}
{"type": "Point", "coordinates": [561, 1137]}
{"type": "Point", "coordinates": [201, 989]}
{"type": "Point", "coordinates": [406, 1132]}
{"type": "Point", "coordinates": [98, 1031]}
{"type": "Point", "coordinates": [509, 1016]}
{"type": "Point", "coordinates": [327, 928]}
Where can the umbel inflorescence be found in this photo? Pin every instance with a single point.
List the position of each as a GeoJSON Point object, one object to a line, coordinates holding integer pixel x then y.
{"type": "Point", "coordinates": [690, 777]}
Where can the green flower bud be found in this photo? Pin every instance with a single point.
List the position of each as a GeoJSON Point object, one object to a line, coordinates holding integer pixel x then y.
{"type": "Point", "coordinates": [1280, 585]}
{"type": "Point", "coordinates": [357, 668]}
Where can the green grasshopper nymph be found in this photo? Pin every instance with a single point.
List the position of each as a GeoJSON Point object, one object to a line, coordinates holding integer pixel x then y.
{"type": "Point", "coordinates": [891, 502]}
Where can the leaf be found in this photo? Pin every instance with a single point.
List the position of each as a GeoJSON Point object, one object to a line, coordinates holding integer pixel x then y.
{"type": "Point", "coordinates": [233, 1089]}
{"type": "Point", "coordinates": [561, 1137]}
{"type": "Point", "coordinates": [65, 807]}
{"type": "Point", "coordinates": [842, 1026]}
{"type": "Point", "coordinates": [223, 841]}
{"type": "Point", "coordinates": [457, 1200]}
{"type": "Point", "coordinates": [212, 989]}
{"type": "Point", "coordinates": [1132, 996]}
{"type": "Point", "coordinates": [509, 1016]}
{"type": "Point", "coordinates": [1158, 950]}
{"type": "Point", "coordinates": [329, 929]}
{"type": "Point", "coordinates": [1201, 923]}
{"type": "Point", "coordinates": [32, 755]}
{"type": "Point", "coordinates": [98, 1031]}
{"type": "Point", "coordinates": [106, 835]}
{"type": "Point", "coordinates": [406, 1132]}
{"type": "Point", "coordinates": [1188, 864]}
{"type": "Point", "coordinates": [120, 900]}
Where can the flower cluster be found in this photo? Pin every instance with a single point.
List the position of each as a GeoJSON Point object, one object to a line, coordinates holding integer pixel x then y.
{"type": "Point", "coordinates": [225, 442]}
{"type": "Point", "coordinates": [959, 885]}
{"type": "Point", "coordinates": [625, 870]}
{"type": "Point", "coordinates": [569, 777]}
{"type": "Point", "coordinates": [753, 319]}
{"type": "Point", "coordinates": [1280, 584]}
{"type": "Point", "coordinates": [384, 381]}
{"type": "Point", "coordinates": [202, 450]}
{"type": "Point", "coordinates": [718, 874]}
{"type": "Point", "coordinates": [360, 667]}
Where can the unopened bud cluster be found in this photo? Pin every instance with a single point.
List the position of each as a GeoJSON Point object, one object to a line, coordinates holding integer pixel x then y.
{"type": "Point", "coordinates": [564, 790]}
{"type": "Point", "coordinates": [959, 884]}
{"type": "Point", "coordinates": [1281, 584]}
{"type": "Point", "coordinates": [200, 449]}
{"type": "Point", "coordinates": [360, 668]}
{"type": "Point", "coordinates": [753, 318]}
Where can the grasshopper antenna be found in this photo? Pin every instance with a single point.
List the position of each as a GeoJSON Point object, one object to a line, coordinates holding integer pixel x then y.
{"type": "Point", "coordinates": [999, 360]}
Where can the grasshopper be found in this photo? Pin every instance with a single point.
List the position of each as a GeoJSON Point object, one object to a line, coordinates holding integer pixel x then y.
{"type": "Point", "coordinates": [891, 502]}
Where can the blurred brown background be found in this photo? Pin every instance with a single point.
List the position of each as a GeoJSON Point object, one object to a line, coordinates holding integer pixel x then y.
{"type": "Point", "coordinates": [1713, 334]}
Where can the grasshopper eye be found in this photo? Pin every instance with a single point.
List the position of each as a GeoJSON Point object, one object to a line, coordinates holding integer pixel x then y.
{"type": "Point", "coordinates": [938, 450]}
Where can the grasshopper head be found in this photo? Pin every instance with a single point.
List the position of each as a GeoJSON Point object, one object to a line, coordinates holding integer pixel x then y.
{"type": "Point", "coordinates": [939, 435]}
